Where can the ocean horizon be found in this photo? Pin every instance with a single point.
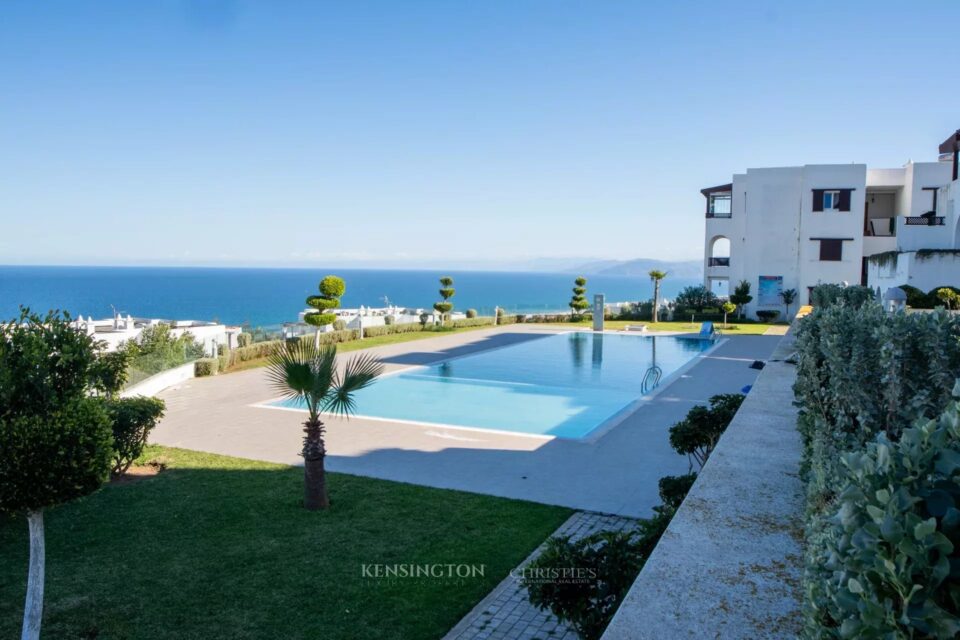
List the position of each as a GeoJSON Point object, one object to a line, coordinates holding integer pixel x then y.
{"type": "Point", "coordinates": [263, 297]}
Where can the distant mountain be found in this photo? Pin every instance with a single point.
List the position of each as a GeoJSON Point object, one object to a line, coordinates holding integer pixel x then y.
{"type": "Point", "coordinates": [641, 266]}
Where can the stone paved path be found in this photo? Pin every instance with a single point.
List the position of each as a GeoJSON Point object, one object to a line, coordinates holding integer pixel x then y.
{"type": "Point", "coordinates": [506, 614]}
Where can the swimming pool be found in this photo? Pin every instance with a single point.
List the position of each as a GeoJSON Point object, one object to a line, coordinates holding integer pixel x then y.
{"type": "Point", "coordinates": [560, 385]}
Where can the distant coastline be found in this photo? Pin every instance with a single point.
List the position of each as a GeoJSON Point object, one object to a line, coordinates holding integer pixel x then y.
{"type": "Point", "coordinates": [270, 296]}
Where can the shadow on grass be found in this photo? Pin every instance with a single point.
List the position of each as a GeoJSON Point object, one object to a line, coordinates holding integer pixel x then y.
{"type": "Point", "coordinates": [217, 547]}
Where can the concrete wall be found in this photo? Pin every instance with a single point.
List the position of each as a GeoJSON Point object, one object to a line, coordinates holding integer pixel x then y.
{"type": "Point", "coordinates": [934, 271]}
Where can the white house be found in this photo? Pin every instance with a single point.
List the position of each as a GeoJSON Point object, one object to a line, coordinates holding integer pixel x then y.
{"type": "Point", "coordinates": [796, 227]}
{"type": "Point", "coordinates": [118, 329]}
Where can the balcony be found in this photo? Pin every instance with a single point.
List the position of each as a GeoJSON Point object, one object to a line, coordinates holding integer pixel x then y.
{"type": "Point", "coordinates": [718, 262]}
{"type": "Point", "coordinates": [924, 221]}
{"type": "Point", "coordinates": [719, 214]}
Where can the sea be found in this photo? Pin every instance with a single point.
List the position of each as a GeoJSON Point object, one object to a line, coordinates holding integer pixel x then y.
{"type": "Point", "coordinates": [258, 297]}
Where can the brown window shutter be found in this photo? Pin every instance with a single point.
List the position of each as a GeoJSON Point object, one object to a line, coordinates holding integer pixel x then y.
{"type": "Point", "coordinates": [831, 250]}
{"type": "Point", "coordinates": [845, 199]}
{"type": "Point", "coordinates": [818, 199]}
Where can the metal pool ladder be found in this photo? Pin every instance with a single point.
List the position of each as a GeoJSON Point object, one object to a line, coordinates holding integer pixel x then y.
{"type": "Point", "coordinates": [651, 379]}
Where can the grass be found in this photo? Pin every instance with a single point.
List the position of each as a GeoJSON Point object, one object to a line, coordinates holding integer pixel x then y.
{"type": "Point", "coordinates": [733, 328]}
{"type": "Point", "coordinates": [219, 547]}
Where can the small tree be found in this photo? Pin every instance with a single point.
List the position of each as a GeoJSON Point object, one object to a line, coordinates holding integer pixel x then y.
{"type": "Point", "coordinates": [727, 308]}
{"type": "Point", "coordinates": [310, 375]}
{"type": "Point", "coordinates": [697, 298]}
{"type": "Point", "coordinates": [656, 277]}
{"type": "Point", "coordinates": [55, 436]}
{"type": "Point", "coordinates": [578, 302]}
{"type": "Point", "coordinates": [948, 297]}
{"type": "Point", "coordinates": [696, 435]}
{"type": "Point", "coordinates": [788, 296]}
{"type": "Point", "coordinates": [332, 289]}
{"type": "Point", "coordinates": [741, 295]}
{"type": "Point", "coordinates": [444, 306]}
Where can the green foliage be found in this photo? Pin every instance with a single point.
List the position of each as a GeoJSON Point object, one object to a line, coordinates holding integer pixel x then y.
{"type": "Point", "coordinates": [133, 419]}
{"type": "Point", "coordinates": [332, 289]}
{"type": "Point", "coordinates": [948, 297]}
{"type": "Point", "coordinates": [444, 306]}
{"type": "Point", "coordinates": [741, 295]}
{"type": "Point", "coordinates": [244, 340]}
{"type": "Point", "coordinates": [156, 349]}
{"type": "Point", "coordinates": [789, 296]}
{"type": "Point", "coordinates": [827, 295]}
{"type": "Point", "coordinates": [339, 324]}
{"type": "Point", "coordinates": [424, 319]}
{"type": "Point", "coordinates": [55, 440]}
{"type": "Point", "coordinates": [471, 313]}
{"type": "Point", "coordinates": [887, 564]}
{"type": "Point", "coordinates": [864, 378]}
{"type": "Point", "coordinates": [673, 489]}
{"type": "Point", "coordinates": [696, 298]}
{"type": "Point", "coordinates": [578, 302]}
{"type": "Point", "coordinates": [917, 299]}
{"type": "Point", "coordinates": [583, 581]}
{"type": "Point", "coordinates": [728, 307]}
{"type": "Point", "coordinates": [388, 320]}
{"type": "Point", "coordinates": [768, 315]}
{"type": "Point", "coordinates": [110, 371]}
{"type": "Point", "coordinates": [207, 366]}
{"type": "Point", "coordinates": [696, 435]}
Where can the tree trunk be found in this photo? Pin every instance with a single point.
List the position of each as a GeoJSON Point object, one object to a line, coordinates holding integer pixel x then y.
{"type": "Point", "coordinates": [314, 475]}
{"type": "Point", "coordinates": [316, 339]}
{"type": "Point", "coordinates": [656, 300]}
{"type": "Point", "coordinates": [33, 611]}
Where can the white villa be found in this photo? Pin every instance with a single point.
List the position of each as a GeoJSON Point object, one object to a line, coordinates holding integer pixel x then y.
{"type": "Point", "coordinates": [796, 227]}
{"type": "Point", "coordinates": [365, 317]}
{"type": "Point", "coordinates": [118, 329]}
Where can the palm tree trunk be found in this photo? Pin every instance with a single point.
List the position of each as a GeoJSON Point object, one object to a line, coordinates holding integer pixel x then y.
{"type": "Point", "coordinates": [656, 299]}
{"type": "Point", "coordinates": [314, 475]}
{"type": "Point", "coordinates": [33, 610]}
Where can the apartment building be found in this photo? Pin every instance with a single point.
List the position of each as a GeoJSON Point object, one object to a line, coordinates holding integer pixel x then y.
{"type": "Point", "coordinates": [796, 227]}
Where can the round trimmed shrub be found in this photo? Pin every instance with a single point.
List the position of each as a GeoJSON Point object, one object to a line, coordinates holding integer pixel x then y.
{"type": "Point", "coordinates": [244, 339]}
{"type": "Point", "coordinates": [333, 287]}
{"type": "Point", "coordinates": [388, 320]}
{"type": "Point", "coordinates": [471, 313]}
{"type": "Point", "coordinates": [206, 367]}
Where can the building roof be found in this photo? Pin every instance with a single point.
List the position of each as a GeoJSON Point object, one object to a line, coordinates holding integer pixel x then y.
{"type": "Point", "coordinates": [717, 189]}
{"type": "Point", "coordinates": [952, 143]}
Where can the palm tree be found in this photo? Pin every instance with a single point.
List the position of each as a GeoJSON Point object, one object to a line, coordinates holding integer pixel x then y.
{"type": "Point", "coordinates": [656, 276]}
{"type": "Point", "coordinates": [302, 371]}
{"type": "Point", "coordinates": [788, 296]}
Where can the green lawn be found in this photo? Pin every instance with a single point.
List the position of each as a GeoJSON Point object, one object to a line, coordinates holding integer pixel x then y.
{"type": "Point", "coordinates": [218, 547]}
{"type": "Point", "coordinates": [733, 328]}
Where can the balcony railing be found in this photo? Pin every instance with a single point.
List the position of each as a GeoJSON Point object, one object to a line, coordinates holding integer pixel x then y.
{"type": "Point", "coordinates": [718, 262]}
{"type": "Point", "coordinates": [712, 214]}
{"type": "Point", "coordinates": [924, 221]}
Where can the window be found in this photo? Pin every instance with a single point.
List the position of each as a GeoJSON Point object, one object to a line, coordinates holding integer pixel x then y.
{"type": "Point", "coordinates": [831, 250]}
{"type": "Point", "coordinates": [719, 205]}
{"type": "Point", "coordinates": [831, 199]}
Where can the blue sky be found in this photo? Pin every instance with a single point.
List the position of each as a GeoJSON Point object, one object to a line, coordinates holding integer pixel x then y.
{"type": "Point", "coordinates": [397, 133]}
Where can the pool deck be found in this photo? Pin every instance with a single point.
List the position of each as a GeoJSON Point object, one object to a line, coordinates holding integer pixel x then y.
{"type": "Point", "coordinates": [615, 474]}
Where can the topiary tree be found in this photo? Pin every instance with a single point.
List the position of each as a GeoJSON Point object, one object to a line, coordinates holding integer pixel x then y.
{"type": "Point", "coordinates": [578, 303]}
{"type": "Point", "coordinates": [444, 306]}
{"type": "Point", "coordinates": [656, 277]}
{"type": "Point", "coordinates": [471, 313]}
{"type": "Point", "coordinates": [55, 435]}
{"type": "Point", "coordinates": [788, 296]}
{"type": "Point", "coordinates": [424, 319]}
{"type": "Point", "coordinates": [741, 296]}
{"type": "Point", "coordinates": [727, 308]}
{"type": "Point", "coordinates": [332, 289]}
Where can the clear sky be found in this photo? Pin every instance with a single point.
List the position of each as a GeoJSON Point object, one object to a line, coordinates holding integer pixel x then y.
{"type": "Point", "coordinates": [296, 133]}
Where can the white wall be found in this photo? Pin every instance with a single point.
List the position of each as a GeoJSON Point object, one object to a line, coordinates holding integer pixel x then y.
{"type": "Point", "coordinates": [933, 271]}
{"type": "Point", "coordinates": [157, 383]}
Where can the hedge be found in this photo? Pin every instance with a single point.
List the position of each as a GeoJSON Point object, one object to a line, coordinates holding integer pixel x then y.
{"type": "Point", "coordinates": [881, 552]}
{"type": "Point", "coordinates": [206, 366]}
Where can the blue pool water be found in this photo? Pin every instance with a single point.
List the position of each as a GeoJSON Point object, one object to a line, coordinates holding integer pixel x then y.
{"type": "Point", "coordinates": [563, 385]}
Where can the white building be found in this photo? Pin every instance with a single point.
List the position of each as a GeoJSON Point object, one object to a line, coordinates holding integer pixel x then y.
{"type": "Point", "coordinates": [367, 316]}
{"type": "Point", "coordinates": [796, 227]}
{"type": "Point", "coordinates": [118, 329]}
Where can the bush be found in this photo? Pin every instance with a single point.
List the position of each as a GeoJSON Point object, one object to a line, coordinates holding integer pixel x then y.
{"type": "Point", "coordinates": [388, 320]}
{"type": "Point", "coordinates": [864, 377]}
{"type": "Point", "coordinates": [206, 367]}
{"type": "Point", "coordinates": [471, 313]}
{"type": "Point", "coordinates": [828, 295]}
{"type": "Point", "coordinates": [470, 322]}
{"type": "Point", "coordinates": [673, 489]}
{"type": "Point", "coordinates": [244, 340]}
{"type": "Point", "coordinates": [339, 325]}
{"type": "Point", "coordinates": [133, 419]}
{"type": "Point", "coordinates": [696, 435]}
{"type": "Point", "coordinates": [768, 315]}
{"type": "Point", "coordinates": [696, 298]}
{"type": "Point", "coordinates": [887, 563]}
